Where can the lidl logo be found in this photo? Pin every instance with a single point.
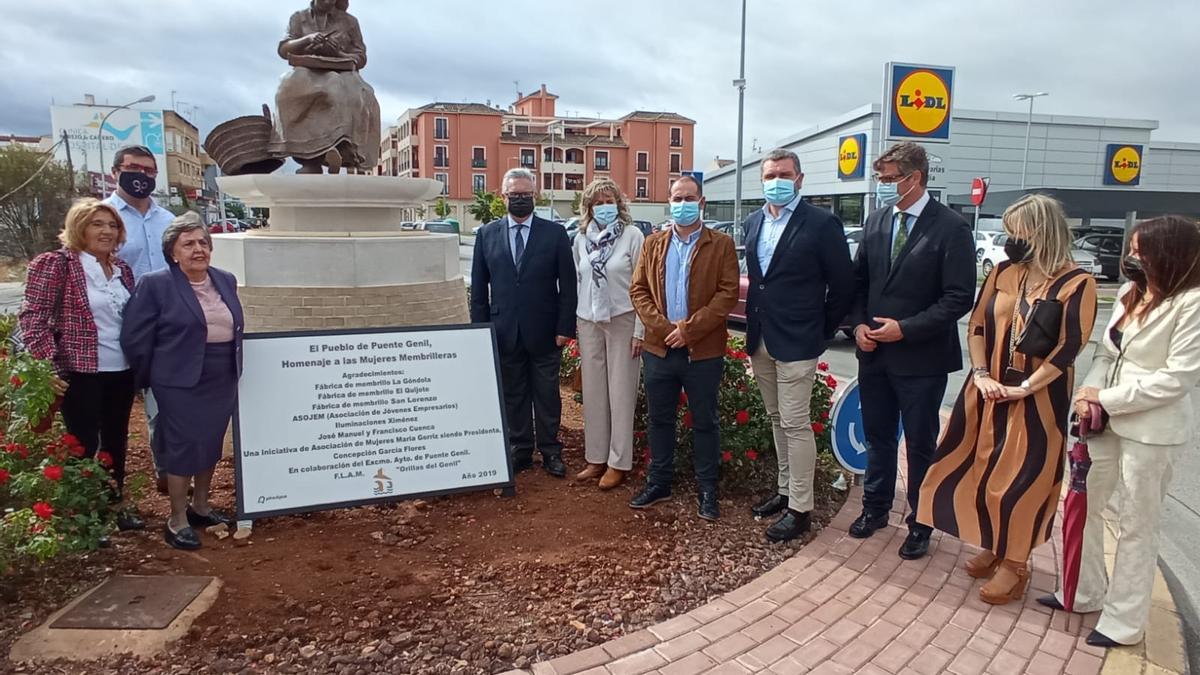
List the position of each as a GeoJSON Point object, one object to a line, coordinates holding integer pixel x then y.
{"type": "Point", "coordinates": [920, 102]}
{"type": "Point", "coordinates": [1124, 165]}
{"type": "Point", "coordinates": [851, 160]}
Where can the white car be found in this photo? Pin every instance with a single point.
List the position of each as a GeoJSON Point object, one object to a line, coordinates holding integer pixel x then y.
{"type": "Point", "coordinates": [853, 239]}
{"type": "Point", "coordinates": [990, 251]}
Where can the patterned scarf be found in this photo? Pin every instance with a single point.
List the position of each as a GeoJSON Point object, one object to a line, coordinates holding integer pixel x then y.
{"type": "Point", "coordinates": [599, 244]}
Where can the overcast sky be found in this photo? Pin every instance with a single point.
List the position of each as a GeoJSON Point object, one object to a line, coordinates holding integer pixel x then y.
{"type": "Point", "coordinates": [806, 61]}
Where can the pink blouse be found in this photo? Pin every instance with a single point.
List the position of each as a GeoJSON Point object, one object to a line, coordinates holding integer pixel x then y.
{"type": "Point", "coordinates": [216, 313]}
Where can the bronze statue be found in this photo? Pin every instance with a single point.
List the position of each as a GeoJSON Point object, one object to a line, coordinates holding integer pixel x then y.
{"type": "Point", "coordinates": [326, 113]}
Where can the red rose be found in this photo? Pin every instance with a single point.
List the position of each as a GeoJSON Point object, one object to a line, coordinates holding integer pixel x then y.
{"type": "Point", "coordinates": [687, 419]}
{"type": "Point", "coordinates": [4, 476]}
{"type": "Point", "coordinates": [77, 450]}
{"type": "Point", "coordinates": [86, 473]}
{"type": "Point", "coordinates": [727, 456]}
{"type": "Point", "coordinates": [752, 454]}
{"type": "Point", "coordinates": [822, 366]}
{"type": "Point", "coordinates": [52, 472]}
{"type": "Point", "coordinates": [830, 382]}
{"type": "Point", "coordinates": [43, 510]}
{"type": "Point", "coordinates": [17, 449]}
{"type": "Point", "coordinates": [683, 398]}
{"type": "Point", "coordinates": [743, 417]}
{"type": "Point", "coordinates": [825, 415]}
{"type": "Point", "coordinates": [104, 458]}
{"type": "Point", "coordinates": [15, 380]}
{"type": "Point", "coordinates": [740, 355]}
{"type": "Point", "coordinates": [818, 428]}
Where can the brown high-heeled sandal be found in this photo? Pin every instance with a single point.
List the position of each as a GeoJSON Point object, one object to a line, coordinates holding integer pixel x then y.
{"type": "Point", "coordinates": [982, 566]}
{"type": "Point", "coordinates": [994, 594]}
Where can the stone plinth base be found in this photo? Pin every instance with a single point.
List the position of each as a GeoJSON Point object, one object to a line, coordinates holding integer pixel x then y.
{"type": "Point", "coordinates": [270, 309]}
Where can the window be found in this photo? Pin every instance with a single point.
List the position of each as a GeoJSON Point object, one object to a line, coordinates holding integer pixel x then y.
{"type": "Point", "coordinates": [641, 189]}
{"type": "Point", "coordinates": [441, 156]}
{"type": "Point", "coordinates": [643, 161]}
{"type": "Point", "coordinates": [676, 137]}
{"type": "Point", "coordinates": [441, 128]}
{"type": "Point", "coordinates": [479, 182]}
{"type": "Point", "coordinates": [445, 181]}
{"type": "Point", "coordinates": [478, 157]}
{"type": "Point", "coordinates": [574, 156]}
{"type": "Point", "coordinates": [602, 160]}
{"type": "Point", "coordinates": [528, 158]}
{"type": "Point", "coordinates": [676, 161]}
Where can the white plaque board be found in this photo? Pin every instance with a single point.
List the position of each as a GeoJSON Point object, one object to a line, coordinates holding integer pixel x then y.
{"type": "Point", "coordinates": [333, 419]}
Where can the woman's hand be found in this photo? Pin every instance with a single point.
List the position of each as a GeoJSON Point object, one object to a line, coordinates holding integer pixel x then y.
{"type": "Point", "coordinates": [1015, 393]}
{"type": "Point", "coordinates": [1082, 409]}
{"type": "Point", "coordinates": [991, 389]}
{"type": "Point", "coordinates": [1090, 394]}
{"type": "Point", "coordinates": [59, 385]}
{"type": "Point", "coordinates": [635, 349]}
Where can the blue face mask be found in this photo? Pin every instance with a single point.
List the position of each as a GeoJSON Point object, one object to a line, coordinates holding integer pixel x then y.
{"type": "Point", "coordinates": [888, 194]}
{"type": "Point", "coordinates": [605, 214]}
{"type": "Point", "coordinates": [685, 213]}
{"type": "Point", "coordinates": [779, 191]}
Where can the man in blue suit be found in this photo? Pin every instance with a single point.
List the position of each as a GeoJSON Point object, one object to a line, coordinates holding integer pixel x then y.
{"type": "Point", "coordinates": [801, 286]}
{"type": "Point", "coordinates": [523, 282]}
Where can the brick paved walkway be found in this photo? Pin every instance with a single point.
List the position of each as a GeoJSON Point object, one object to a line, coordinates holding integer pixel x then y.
{"type": "Point", "coordinates": [845, 605]}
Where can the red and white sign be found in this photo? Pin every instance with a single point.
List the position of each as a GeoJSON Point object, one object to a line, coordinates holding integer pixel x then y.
{"type": "Point", "coordinates": [979, 187]}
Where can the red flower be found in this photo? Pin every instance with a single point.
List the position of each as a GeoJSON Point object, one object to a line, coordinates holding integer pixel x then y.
{"type": "Point", "coordinates": [86, 473]}
{"type": "Point", "coordinates": [825, 415]}
{"type": "Point", "coordinates": [830, 382]}
{"type": "Point", "coordinates": [4, 476]}
{"type": "Point", "coordinates": [823, 367]}
{"type": "Point", "coordinates": [53, 472]}
{"type": "Point", "coordinates": [683, 398]}
{"type": "Point", "coordinates": [752, 454]}
{"type": "Point", "coordinates": [43, 510]}
{"type": "Point", "coordinates": [17, 449]}
{"type": "Point", "coordinates": [742, 417]}
{"type": "Point", "coordinates": [15, 380]}
{"type": "Point", "coordinates": [727, 456]}
{"type": "Point", "coordinates": [740, 355]}
{"type": "Point", "coordinates": [104, 458]}
{"type": "Point", "coordinates": [818, 428]}
{"type": "Point", "coordinates": [687, 419]}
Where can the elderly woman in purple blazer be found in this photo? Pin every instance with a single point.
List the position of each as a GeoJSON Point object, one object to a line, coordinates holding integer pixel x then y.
{"type": "Point", "coordinates": [183, 336]}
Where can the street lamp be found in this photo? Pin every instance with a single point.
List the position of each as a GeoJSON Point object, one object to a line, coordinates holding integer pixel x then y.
{"type": "Point", "coordinates": [740, 83]}
{"type": "Point", "coordinates": [1028, 126]}
{"type": "Point", "coordinates": [100, 139]}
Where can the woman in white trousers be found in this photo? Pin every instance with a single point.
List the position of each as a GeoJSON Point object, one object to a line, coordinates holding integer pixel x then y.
{"type": "Point", "coordinates": [1146, 365]}
{"type": "Point", "coordinates": [606, 250]}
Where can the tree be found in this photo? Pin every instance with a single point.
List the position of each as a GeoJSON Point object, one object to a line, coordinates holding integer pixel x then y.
{"type": "Point", "coordinates": [499, 207]}
{"type": "Point", "coordinates": [482, 208]}
{"type": "Point", "coordinates": [576, 203]}
{"type": "Point", "coordinates": [441, 208]}
{"type": "Point", "coordinates": [32, 216]}
{"type": "Point", "coordinates": [235, 210]}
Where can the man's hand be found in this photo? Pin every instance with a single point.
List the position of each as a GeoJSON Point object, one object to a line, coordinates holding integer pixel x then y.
{"type": "Point", "coordinates": [865, 343]}
{"type": "Point", "coordinates": [888, 331]}
{"type": "Point", "coordinates": [561, 341]}
{"type": "Point", "coordinates": [635, 349]}
{"type": "Point", "coordinates": [677, 339]}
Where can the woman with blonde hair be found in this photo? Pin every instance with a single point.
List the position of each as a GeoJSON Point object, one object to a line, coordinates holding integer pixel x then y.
{"type": "Point", "coordinates": [72, 315]}
{"type": "Point", "coordinates": [606, 252]}
{"type": "Point", "coordinates": [998, 469]}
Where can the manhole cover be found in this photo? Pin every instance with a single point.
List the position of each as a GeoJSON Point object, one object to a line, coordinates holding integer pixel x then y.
{"type": "Point", "coordinates": [134, 603]}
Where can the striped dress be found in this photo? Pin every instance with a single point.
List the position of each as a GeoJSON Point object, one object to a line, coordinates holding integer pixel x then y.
{"type": "Point", "coordinates": [998, 469]}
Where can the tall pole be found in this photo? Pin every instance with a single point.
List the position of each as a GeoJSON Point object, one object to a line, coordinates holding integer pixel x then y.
{"type": "Point", "coordinates": [550, 128]}
{"type": "Point", "coordinates": [66, 141]}
{"type": "Point", "coordinates": [1028, 128]}
{"type": "Point", "coordinates": [740, 83]}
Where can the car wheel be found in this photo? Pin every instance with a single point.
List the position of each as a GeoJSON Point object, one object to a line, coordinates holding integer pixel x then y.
{"type": "Point", "coordinates": [987, 267]}
{"type": "Point", "coordinates": [978, 255]}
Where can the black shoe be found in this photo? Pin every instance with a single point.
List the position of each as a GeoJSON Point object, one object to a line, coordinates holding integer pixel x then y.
{"type": "Point", "coordinates": [1098, 639]}
{"type": "Point", "coordinates": [1051, 602]}
{"type": "Point", "coordinates": [184, 539]}
{"type": "Point", "coordinates": [709, 509]}
{"type": "Point", "coordinates": [520, 465]}
{"type": "Point", "coordinates": [769, 506]}
{"type": "Point", "coordinates": [214, 517]}
{"type": "Point", "coordinates": [915, 545]}
{"type": "Point", "coordinates": [129, 520]}
{"type": "Point", "coordinates": [553, 465]}
{"type": "Point", "coordinates": [866, 525]}
{"type": "Point", "coordinates": [790, 526]}
{"type": "Point", "coordinates": [649, 496]}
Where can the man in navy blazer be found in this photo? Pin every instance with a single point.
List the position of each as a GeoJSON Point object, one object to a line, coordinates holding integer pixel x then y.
{"type": "Point", "coordinates": [523, 282]}
{"type": "Point", "coordinates": [801, 286]}
{"type": "Point", "coordinates": [915, 278]}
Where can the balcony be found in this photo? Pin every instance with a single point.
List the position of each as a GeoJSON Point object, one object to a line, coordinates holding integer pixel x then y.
{"type": "Point", "coordinates": [676, 143]}
{"type": "Point", "coordinates": [601, 166]}
{"type": "Point", "coordinates": [560, 195]}
{"type": "Point", "coordinates": [441, 162]}
{"type": "Point", "coordinates": [478, 163]}
{"type": "Point", "coordinates": [563, 167]}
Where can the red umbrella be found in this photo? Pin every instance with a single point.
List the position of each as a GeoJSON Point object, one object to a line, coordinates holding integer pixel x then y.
{"type": "Point", "coordinates": [1075, 505]}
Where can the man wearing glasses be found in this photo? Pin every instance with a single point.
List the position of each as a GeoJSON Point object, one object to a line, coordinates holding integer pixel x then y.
{"type": "Point", "coordinates": [135, 170]}
{"type": "Point", "coordinates": [914, 279]}
{"type": "Point", "coordinates": [523, 282]}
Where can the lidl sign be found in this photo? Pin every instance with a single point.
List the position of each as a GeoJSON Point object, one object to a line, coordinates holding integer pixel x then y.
{"type": "Point", "coordinates": [852, 157]}
{"type": "Point", "coordinates": [919, 102]}
{"type": "Point", "coordinates": [1123, 164]}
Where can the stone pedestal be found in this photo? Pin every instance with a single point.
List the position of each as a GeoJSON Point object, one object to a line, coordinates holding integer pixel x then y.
{"type": "Point", "coordinates": [334, 256]}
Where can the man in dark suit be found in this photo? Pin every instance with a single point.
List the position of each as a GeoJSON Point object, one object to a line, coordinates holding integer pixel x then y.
{"type": "Point", "coordinates": [523, 281]}
{"type": "Point", "coordinates": [915, 277]}
{"type": "Point", "coordinates": [801, 286]}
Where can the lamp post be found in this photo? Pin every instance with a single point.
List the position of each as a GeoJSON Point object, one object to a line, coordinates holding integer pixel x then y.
{"type": "Point", "coordinates": [100, 140]}
{"type": "Point", "coordinates": [1028, 127]}
{"type": "Point", "coordinates": [740, 83]}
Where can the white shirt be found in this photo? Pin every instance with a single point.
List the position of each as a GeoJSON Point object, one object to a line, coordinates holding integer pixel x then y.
{"type": "Point", "coordinates": [772, 230]}
{"type": "Point", "coordinates": [621, 264]}
{"type": "Point", "coordinates": [914, 211]}
{"type": "Point", "coordinates": [107, 298]}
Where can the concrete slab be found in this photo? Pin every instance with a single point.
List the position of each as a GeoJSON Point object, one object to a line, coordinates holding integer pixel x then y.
{"type": "Point", "coordinates": [134, 602]}
{"type": "Point", "coordinates": [84, 644]}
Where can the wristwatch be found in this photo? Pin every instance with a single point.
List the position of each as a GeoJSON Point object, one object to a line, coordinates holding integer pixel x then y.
{"type": "Point", "coordinates": [1026, 386]}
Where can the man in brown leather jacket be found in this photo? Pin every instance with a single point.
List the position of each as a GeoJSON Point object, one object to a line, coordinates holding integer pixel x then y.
{"type": "Point", "coordinates": [684, 287]}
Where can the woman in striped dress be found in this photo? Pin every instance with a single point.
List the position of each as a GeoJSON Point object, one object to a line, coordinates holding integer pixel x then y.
{"type": "Point", "coordinates": [997, 473]}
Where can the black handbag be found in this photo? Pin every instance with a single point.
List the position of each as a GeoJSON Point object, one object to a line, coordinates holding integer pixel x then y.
{"type": "Point", "coordinates": [1039, 336]}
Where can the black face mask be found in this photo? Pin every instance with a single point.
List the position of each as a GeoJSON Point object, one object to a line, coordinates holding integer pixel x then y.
{"type": "Point", "coordinates": [1017, 250]}
{"type": "Point", "coordinates": [520, 207]}
{"type": "Point", "coordinates": [1133, 270]}
{"type": "Point", "coordinates": [136, 184]}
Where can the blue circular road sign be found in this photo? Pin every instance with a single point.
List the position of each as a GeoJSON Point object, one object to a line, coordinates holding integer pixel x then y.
{"type": "Point", "coordinates": [848, 436]}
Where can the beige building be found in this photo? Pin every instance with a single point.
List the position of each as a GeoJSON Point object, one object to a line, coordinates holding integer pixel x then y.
{"type": "Point", "coordinates": [182, 140]}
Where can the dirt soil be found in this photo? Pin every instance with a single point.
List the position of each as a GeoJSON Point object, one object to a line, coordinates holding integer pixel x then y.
{"type": "Point", "coordinates": [473, 583]}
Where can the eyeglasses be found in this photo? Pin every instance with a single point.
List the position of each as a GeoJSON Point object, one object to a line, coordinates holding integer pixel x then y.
{"type": "Point", "coordinates": [134, 168]}
{"type": "Point", "coordinates": [894, 178]}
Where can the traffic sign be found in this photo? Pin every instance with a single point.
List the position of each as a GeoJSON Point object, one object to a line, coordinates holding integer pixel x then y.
{"type": "Point", "coordinates": [848, 436]}
{"type": "Point", "coordinates": [979, 188]}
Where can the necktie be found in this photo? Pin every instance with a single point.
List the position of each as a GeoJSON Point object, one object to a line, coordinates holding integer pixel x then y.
{"type": "Point", "coordinates": [519, 250]}
{"type": "Point", "coordinates": [901, 236]}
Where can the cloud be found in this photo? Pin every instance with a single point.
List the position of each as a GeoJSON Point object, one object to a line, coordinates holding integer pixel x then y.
{"type": "Point", "coordinates": [805, 61]}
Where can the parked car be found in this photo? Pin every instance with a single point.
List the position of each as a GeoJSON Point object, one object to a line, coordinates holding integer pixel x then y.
{"type": "Point", "coordinates": [645, 226]}
{"type": "Point", "coordinates": [408, 226]}
{"type": "Point", "coordinates": [227, 226]}
{"type": "Point", "coordinates": [1106, 249]}
{"type": "Point", "coordinates": [992, 253]}
{"type": "Point", "coordinates": [854, 237]}
{"type": "Point", "coordinates": [572, 227]}
{"type": "Point", "coordinates": [738, 315]}
{"type": "Point", "coordinates": [985, 241]}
